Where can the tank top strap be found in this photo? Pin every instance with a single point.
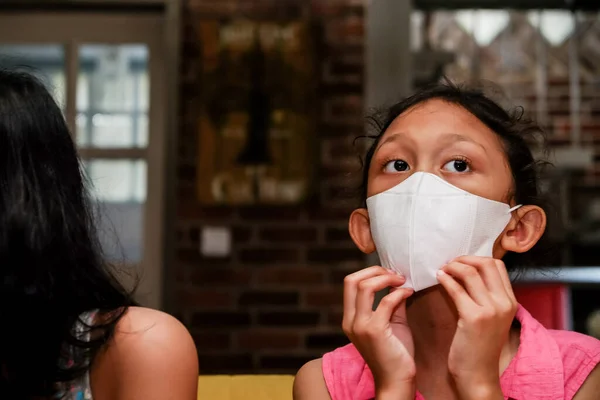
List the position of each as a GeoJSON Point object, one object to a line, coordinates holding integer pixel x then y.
{"type": "Point", "coordinates": [80, 389]}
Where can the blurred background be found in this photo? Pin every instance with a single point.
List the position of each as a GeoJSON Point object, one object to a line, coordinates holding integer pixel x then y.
{"type": "Point", "coordinates": [219, 138]}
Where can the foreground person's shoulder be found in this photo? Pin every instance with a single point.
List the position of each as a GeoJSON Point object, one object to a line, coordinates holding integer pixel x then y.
{"type": "Point", "coordinates": [151, 356]}
{"type": "Point", "coordinates": [310, 383]}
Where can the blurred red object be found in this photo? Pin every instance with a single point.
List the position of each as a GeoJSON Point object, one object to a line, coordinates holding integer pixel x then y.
{"type": "Point", "coordinates": [549, 303]}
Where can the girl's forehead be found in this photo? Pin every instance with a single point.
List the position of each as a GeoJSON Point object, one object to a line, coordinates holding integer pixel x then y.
{"type": "Point", "coordinates": [435, 119]}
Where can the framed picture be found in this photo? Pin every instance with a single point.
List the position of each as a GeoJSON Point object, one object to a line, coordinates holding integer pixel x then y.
{"type": "Point", "coordinates": [256, 125]}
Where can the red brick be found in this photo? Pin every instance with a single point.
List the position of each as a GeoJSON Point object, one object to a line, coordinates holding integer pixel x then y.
{"type": "Point", "coordinates": [324, 297]}
{"type": "Point", "coordinates": [349, 29]}
{"type": "Point", "coordinates": [193, 257]}
{"type": "Point", "coordinates": [221, 319]}
{"type": "Point", "coordinates": [267, 339]}
{"type": "Point", "coordinates": [270, 298]}
{"type": "Point", "coordinates": [342, 147]}
{"type": "Point", "coordinates": [288, 319]}
{"type": "Point", "coordinates": [190, 208]}
{"type": "Point", "coordinates": [224, 363]}
{"type": "Point", "coordinates": [291, 234]}
{"type": "Point", "coordinates": [327, 8]}
{"type": "Point", "coordinates": [333, 255]}
{"type": "Point", "coordinates": [194, 235]}
{"type": "Point", "coordinates": [241, 234]}
{"type": "Point", "coordinates": [327, 131]}
{"type": "Point", "coordinates": [289, 276]}
{"type": "Point", "coordinates": [212, 340]}
{"type": "Point", "coordinates": [327, 341]}
{"type": "Point", "coordinates": [345, 106]}
{"type": "Point", "coordinates": [334, 171]}
{"type": "Point", "coordinates": [271, 213]}
{"type": "Point", "coordinates": [269, 256]}
{"type": "Point", "coordinates": [336, 86]}
{"type": "Point", "coordinates": [337, 234]}
{"type": "Point", "coordinates": [337, 275]}
{"type": "Point", "coordinates": [221, 276]}
{"type": "Point", "coordinates": [331, 213]}
{"type": "Point", "coordinates": [334, 318]}
{"type": "Point", "coordinates": [286, 364]}
{"type": "Point", "coordinates": [347, 66]}
{"type": "Point", "coordinates": [342, 192]}
{"type": "Point", "coordinates": [204, 298]}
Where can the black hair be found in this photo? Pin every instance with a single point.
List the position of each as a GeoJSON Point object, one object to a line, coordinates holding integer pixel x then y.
{"type": "Point", "coordinates": [517, 133]}
{"type": "Point", "coordinates": [51, 264]}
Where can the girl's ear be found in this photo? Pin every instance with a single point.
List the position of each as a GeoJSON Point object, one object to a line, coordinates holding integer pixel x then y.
{"type": "Point", "coordinates": [524, 230]}
{"type": "Point", "coordinates": [360, 230]}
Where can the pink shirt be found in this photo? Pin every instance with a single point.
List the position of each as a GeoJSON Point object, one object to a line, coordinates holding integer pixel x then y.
{"type": "Point", "coordinates": [549, 365]}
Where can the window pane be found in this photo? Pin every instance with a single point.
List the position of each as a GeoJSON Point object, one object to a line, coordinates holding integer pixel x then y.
{"type": "Point", "coordinates": [119, 187]}
{"type": "Point", "coordinates": [116, 96]}
{"type": "Point", "coordinates": [47, 62]}
{"type": "Point", "coordinates": [118, 180]}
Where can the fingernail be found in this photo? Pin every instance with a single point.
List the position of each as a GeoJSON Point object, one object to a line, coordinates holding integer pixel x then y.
{"type": "Point", "coordinates": [441, 273]}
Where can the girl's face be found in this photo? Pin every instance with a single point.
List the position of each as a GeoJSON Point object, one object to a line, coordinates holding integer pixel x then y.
{"type": "Point", "coordinates": [446, 140]}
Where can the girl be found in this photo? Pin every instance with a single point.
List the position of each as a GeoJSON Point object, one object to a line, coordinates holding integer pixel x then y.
{"type": "Point", "coordinates": [69, 329]}
{"type": "Point", "coordinates": [451, 188]}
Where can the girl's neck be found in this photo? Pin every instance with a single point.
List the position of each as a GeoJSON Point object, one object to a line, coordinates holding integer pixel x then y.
{"type": "Point", "coordinates": [433, 319]}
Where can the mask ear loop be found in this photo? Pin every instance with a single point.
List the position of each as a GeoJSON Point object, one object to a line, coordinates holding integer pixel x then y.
{"type": "Point", "coordinates": [515, 208]}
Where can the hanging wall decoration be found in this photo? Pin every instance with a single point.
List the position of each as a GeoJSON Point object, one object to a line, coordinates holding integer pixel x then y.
{"type": "Point", "coordinates": [256, 125]}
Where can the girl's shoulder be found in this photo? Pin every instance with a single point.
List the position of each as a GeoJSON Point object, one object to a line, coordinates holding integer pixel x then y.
{"type": "Point", "coordinates": [580, 354]}
{"type": "Point", "coordinates": [149, 351]}
{"type": "Point", "coordinates": [550, 361]}
{"type": "Point", "coordinates": [347, 375]}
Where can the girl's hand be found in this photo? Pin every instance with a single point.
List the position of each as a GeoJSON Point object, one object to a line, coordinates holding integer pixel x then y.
{"type": "Point", "coordinates": [382, 336]}
{"type": "Point", "coordinates": [481, 290]}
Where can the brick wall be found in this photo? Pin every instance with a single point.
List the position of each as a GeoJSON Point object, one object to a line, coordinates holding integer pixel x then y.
{"type": "Point", "coordinates": [276, 301]}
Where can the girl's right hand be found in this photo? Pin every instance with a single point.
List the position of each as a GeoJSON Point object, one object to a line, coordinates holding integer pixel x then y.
{"type": "Point", "coordinates": [383, 336]}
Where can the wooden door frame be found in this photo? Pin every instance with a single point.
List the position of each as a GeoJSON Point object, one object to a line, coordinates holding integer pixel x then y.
{"type": "Point", "coordinates": [160, 32]}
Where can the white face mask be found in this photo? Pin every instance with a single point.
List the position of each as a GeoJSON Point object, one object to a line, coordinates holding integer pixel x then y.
{"type": "Point", "coordinates": [424, 222]}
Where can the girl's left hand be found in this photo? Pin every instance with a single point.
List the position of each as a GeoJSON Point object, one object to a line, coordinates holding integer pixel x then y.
{"type": "Point", "coordinates": [482, 293]}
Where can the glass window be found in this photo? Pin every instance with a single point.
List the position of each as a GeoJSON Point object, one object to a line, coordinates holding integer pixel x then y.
{"type": "Point", "coordinates": [47, 62]}
{"type": "Point", "coordinates": [119, 187]}
{"type": "Point", "coordinates": [113, 96]}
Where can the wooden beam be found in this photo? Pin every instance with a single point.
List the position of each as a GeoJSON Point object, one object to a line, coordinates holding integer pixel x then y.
{"type": "Point", "coordinates": [85, 5]}
{"type": "Point", "coordinates": [387, 51]}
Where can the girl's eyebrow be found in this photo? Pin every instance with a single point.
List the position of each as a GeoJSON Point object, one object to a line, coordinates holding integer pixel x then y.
{"type": "Point", "coordinates": [447, 138]}
{"type": "Point", "coordinates": [456, 137]}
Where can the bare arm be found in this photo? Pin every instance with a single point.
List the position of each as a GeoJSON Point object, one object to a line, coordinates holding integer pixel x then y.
{"type": "Point", "coordinates": [309, 383]}
{"type": "Point", "coordinates": [590, 389]}
{"type": "Point", "coordinates": [152, 357]}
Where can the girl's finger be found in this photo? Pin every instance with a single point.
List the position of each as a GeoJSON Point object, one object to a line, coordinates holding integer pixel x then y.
{"type": "Point", "coordinates": [457, 293]}
{"type": "Point", "coordinates": [389, 304]}
{"type": "Point", "coordinates": [471, 279]}
{"type": "Point", "coordinates": [365, 296]}
{"type": "Point", "coordinates": [487, 270]}
{"type": "Point", "coordinates": [351, 288]}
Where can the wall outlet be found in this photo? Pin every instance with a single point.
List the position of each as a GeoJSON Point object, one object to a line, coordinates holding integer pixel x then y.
{"type": "Point", "coordinates": [215, 241]}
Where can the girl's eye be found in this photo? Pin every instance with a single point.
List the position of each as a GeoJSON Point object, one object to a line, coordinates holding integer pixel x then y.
{"type": "Point", "coordinates": [396, 166]}
{"type": "Point", "coordinates": [457, 166]}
